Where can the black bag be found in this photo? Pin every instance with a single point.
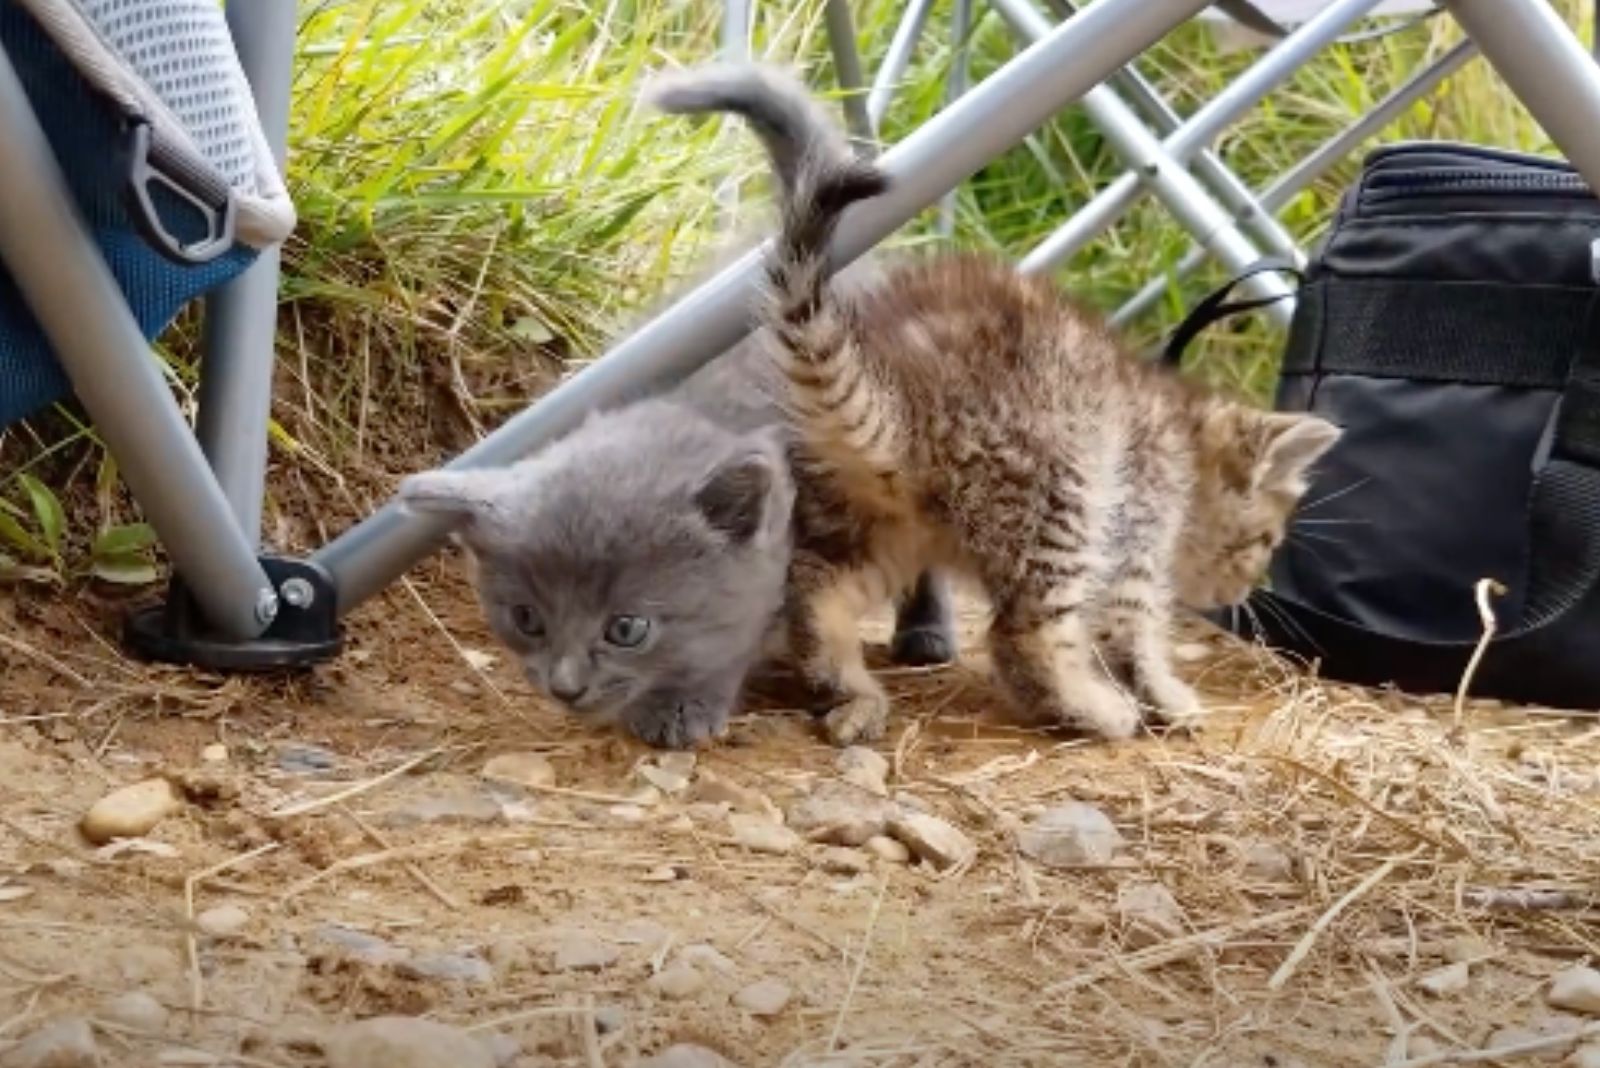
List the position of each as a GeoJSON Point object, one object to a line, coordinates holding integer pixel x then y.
{"type": "Point", "coordinates": [1449, 322]}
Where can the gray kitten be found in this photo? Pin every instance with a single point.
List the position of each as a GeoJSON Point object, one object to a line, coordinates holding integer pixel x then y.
{"type": "Point", "coordinates": [635, 566]}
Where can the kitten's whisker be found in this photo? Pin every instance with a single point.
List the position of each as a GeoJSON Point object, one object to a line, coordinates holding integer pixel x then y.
{"type": "Point", "coordinates": [1292, 625]}
{"type": "Point", "coordinates": [1332, 523]}
{"type": "Point", "coordinates": [1333, 496]}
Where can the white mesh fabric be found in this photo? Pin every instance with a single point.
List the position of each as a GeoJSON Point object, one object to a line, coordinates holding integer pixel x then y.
{"type": "Point", "coordinates": [182, 50]}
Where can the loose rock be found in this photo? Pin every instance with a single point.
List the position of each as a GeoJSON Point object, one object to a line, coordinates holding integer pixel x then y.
{"type": "Point", "coordinates": [1150, 914]}
{"type": "Point", "coordinates": [707, 958]}
{"type": "Point", "coordinates": [677, 981]}
{"type": "Point", "coordinates": [215, 753]}
{"type": "Point", "coordinates": [1585, 1056]}
{"type": "Point", "coordinates": [761, 835]}
{"type": "Point", "coordinates": [643, 933]}
{"type": "Point", "coordinates": [677, 763]}
{"type": "Point", "coordinates": [933, 840]}
{"type": "Point", "coordinates": [710, 788]}
{"type": "Point", "coordinates": [670, 783]}
{"type": "Point", "coordinates": [447, 967]}
{"type": "Point", "coordinates": [767, 997]}
{"type": "Point", "coordinates": [1451, 979]}
{"type": "Point", "coordinates": [66, 1043]}
{"type": "Point", "coordinates": [579, 951]}
{"type": "Point", "coordinates": [886, 848]}
{"type": "Point", "coordinates": [1190, 652]}
{"type": "Point", "coordinates": [685, 1056]}
{"type": "Point", "coordinates": [1072, 835]}
{"type": "Point", "coordinates": [520, 770]}
{"type": "Point", "coordinates": [502, 1047]}
{"type": "Point", "coordinates": [405, 1042]}
{"type": "Point", "coordinates": [464, 807]}
{"type": "Point", "coordinates": [609, 1019]}
{"type": "Point", "coordinates": [1576, 989]}
{"type": "Point", "coordinates": [842, 861]}
{"type": "Point", "coordinates": [360, 946]}
{"type": "Point", "coordinates": [224, 921]}
{"type": "Point", "coordinates": [299, 759]}
{"type": "Point", "coordinates": [841, 814]}
{"type": "Point", "coordinates": [863, 767]}
{"type": "Point", "coordinates": [134, 1010]}
{"type": "Point", "coordinates": [130, 812]}
{"type": "Point", "coordinates": [1265, 861]}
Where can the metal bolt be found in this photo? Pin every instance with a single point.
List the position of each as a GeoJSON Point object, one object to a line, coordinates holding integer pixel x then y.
{"type": "Point", "coordinates": [298, 593]}
{"type": "Point", "coordinates": [266, 607]}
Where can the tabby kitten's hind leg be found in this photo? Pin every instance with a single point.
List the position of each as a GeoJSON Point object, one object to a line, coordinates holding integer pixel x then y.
{"type": "Point", "coordinates": [924, 624]}
{"type": "Point", "coordinates": [825, 643]}
{"type": "Point", "coordinates": [1045, 657]}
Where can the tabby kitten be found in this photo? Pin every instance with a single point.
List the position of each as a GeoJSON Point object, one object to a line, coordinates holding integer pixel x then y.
{"type": "Point", "coordinates": [960, 416]}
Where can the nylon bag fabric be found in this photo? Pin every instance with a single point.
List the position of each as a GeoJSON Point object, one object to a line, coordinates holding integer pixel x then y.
{"type": "Point", "coordinates": [1448, 321]}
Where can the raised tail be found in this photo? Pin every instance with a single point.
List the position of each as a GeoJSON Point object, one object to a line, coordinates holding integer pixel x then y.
{"type": "Point", "coordinates": [846, 414]}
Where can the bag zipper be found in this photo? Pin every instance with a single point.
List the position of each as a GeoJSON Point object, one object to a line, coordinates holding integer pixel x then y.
{"type": "Point", "coordinates": [1465, 181]}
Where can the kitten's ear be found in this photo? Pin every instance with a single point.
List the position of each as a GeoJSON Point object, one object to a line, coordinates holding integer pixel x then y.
{"type": "Point", "coordinates": [468, 494]}
{"type": "Point", "coordinates": [733, 498]}
{"type": "Point", "coordinates": [1294, 442]}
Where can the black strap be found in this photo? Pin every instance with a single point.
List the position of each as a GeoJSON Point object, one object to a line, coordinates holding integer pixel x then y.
{"type": "Point", "coordinates": [1577, 429]}
{"type": "Point", "coordinates": [1216, 306]}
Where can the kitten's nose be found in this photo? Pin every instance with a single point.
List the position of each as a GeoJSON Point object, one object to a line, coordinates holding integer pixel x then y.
{"type": "Point", "coordinates": [567, 692]}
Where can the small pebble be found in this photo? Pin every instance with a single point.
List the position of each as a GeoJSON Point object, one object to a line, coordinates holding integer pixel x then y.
{"type": "Point", "coordinates": [130, 812]}
{"type": "Point", "coordinates": [643, 933]}
{"type": "Point", "coordinates": [299, 759]}
{"type": "Point", "coordinates": [842, 861]}
{"type": "Point", "coordinates": [1265, 861]}
{"type": "Point", "coordinates": [710, 788]}
{"type": "Point", "coordinates": [502, 1047]}
{"type": "Point", "coordinates": [405, 1042]}
{"type": "Point", "coordinates": [677, 981]}
{"type": "Point", "coordinates": [664, 873]}
{"type": "Point", "coordinates": [1576, 989]}
{"type": "Point", "coordinates": [767, 997]}
{"type": "Point", "coordinates": [520, 770]}
{"type": "Point", "coordinates": [627, 813]}
{"type": "Point", "coordinates": [1585, 1056]}
{"type": "Point", "coordinates": [447, 968]}
{"type": "Point", "coordinates": [360, 946]}
{"type": "Point", "coordinates": [215, 753]}
{"type": "Point", "coordinates": [645, 796]}
{"type": "Point", "coordinates": [579, 951]}
{"type": "Point", "coordinates": [685, 1056]}
{"type": "Point", "coordinates": [677, 763]}
{"type": "Point", "coordinates": [1451, 979]}
{"type": "Point", "coordinates": [446, 808]}
{"type": "Point", "coordinates": [135, 1010]}
{"type": "Point", "coordinates": [224, 921]}
{"type": "Point", "coordinates": [1467, 948]}
{"type": "Point", "coordinates": [863, 767]}
{"type": "Point", "coordinates": [507, 956]}
{"type": "Point", "coordinates": [933, 840]}
{"type": "Point", "coordinates": [1190, 652]}
{"type": "Point", "coordinates": [886, 848]}
{"type": "Point", "coordinates": [670, 783]}
{"type": "Point", "coordinates": [761, 835]}
{"type": "Point", "coordinates": [1070, 836]}
{"type": "Point", "coordinates": [66, 1043]}
{"type": "Point", "coordinates": [841, 814]}
{"type": "Point", "coordinates": [609, 1019]}
{"type": "Point", "coordinates": [707, 958]}
{"type": "Point", "coordinates": [1150, 914]}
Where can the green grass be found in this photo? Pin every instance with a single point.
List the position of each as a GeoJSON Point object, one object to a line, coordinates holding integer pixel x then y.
{"type": "Point", "coordinates": [483, 204]}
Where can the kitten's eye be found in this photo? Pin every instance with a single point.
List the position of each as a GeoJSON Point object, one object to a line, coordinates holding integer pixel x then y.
{"type": "Point", "coordinates": [625, 632]}
{"type": "Point", "coordinates": [526, 620]}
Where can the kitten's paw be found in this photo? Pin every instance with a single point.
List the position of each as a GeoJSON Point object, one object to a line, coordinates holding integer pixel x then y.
{"type": "Point", "coordinates": [863, 718]}
{"type": "Point", "coordinates": [1104, 710]}
{"type": "Point", "coordinates": [923, 646]}
{"type": "Point", "coordinates": [684, 723]}
{"type": "Point", "coordinates": [1173, 703]}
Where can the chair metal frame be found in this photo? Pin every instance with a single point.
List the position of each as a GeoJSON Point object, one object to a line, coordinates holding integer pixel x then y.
{"type": "Point", "coordinates": [232, 605]}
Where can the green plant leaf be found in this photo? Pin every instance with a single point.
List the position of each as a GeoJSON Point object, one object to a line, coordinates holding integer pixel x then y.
{"type": "Point", "coordinates": [129, 539]}
{"type": "Point", "coordinates": [13, 534]}
{"type": "Point", "coordinates": [126, 570]}
{"type": "Point", "coordinates": [47, 509]}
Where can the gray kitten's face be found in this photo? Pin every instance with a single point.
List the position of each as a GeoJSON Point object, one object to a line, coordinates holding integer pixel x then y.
{"type": "Point", "coordinates": [633, 568]}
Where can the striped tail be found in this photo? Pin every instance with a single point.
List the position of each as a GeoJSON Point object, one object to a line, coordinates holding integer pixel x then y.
{"type": "Point", "coordinates": [848, 417]}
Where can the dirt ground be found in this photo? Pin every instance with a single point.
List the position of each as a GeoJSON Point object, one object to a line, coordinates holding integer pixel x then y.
{"type": "Point", "coordinates": [1350, 878]}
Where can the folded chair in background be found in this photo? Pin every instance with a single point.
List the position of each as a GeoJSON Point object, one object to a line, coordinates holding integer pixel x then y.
{"type": "Point", "coordinates": [98, 274]}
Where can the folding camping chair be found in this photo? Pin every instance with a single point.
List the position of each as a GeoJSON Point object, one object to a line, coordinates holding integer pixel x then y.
{"type": "Point", "coordinates": [98, 259]}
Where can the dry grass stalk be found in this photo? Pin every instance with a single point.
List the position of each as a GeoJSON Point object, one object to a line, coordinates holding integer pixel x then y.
{"type": "Point", "coordinates": [191, 943]}
{"type": "Point", "coordinates": [1481, 594]}
{"type": "Point", "coordinates": [314, 804]}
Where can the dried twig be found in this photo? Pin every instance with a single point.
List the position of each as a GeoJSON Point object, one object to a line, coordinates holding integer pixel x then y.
{"type": "Point", "coordinates": [1481, 593]}
{"type": "Point", "coordinates": [1497, 1053]}
{"type": "Point", "coordinates": [410, 867]}
{"type": "Point", "coordinates": [300, 808]}
{"type": "Point", "coordinates": [861, 966]}
{"type": "Point", "coordinates": [191, 944]}
{"type": "Point", "coordinates": [1303, 947]}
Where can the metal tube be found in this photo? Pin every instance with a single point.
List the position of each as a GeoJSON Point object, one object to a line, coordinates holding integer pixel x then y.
{"type": "Point", "coordinates": [896, 60]}
{"type": "Point", "coordinates": [1183, 196]}
{"type": "Point", "coordinates": [735, 48]}
{"type": "Point", "coordinates": [1338, 147]}
{"type": "Point", "coordinates": [1199, 130]}
{"type": "Point", "coordinates": [955, 85]}
{"type": "Point", "coordinates": [82, 311]}
{"type": "Point", "coordinates": [841, 29]}
{"type": "Point", "coordinates": [990, 119]}
{"type": "Point", "coordinates": [241, 318]}
{"type": "Point", "coordinates": [1540, 58]}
